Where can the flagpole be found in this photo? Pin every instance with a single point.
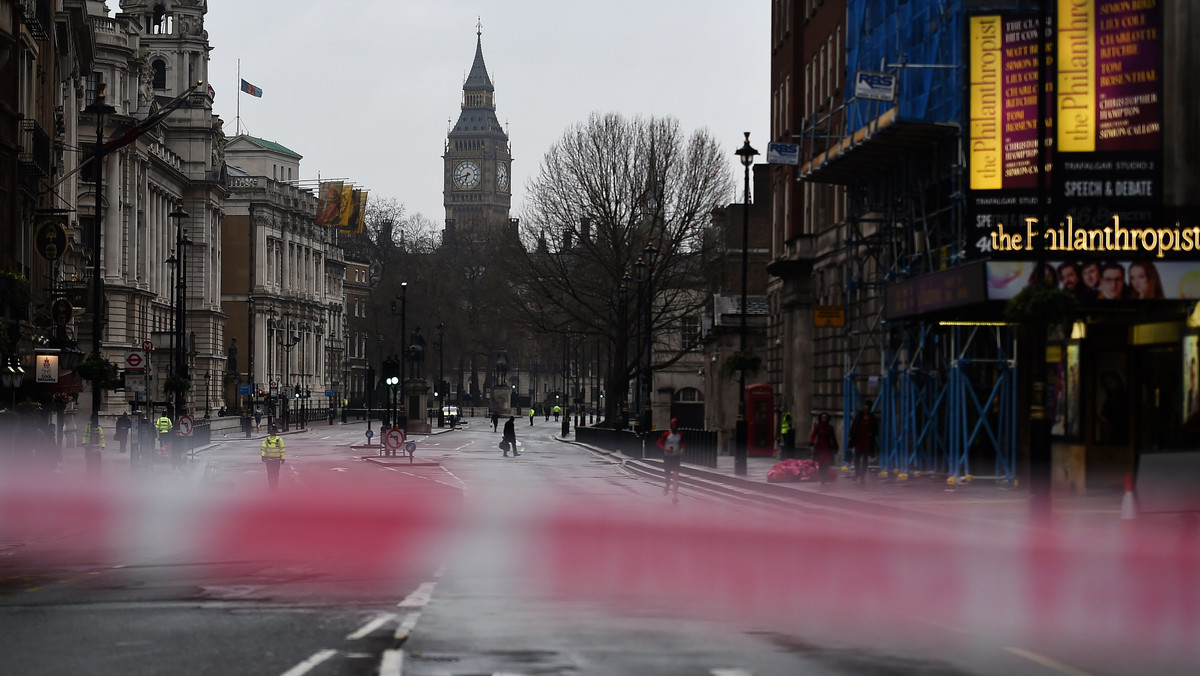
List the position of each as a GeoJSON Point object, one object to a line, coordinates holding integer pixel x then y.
{"type": "Point", "coordinates": [237, 126]}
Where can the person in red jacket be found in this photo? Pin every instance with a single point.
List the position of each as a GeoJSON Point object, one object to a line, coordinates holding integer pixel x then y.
{"type": "Point", "coordinates": [824, 444]}
{"type": "Point", "coordinates": [671, 443]}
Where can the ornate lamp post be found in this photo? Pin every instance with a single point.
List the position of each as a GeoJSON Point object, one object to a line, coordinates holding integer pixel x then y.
{"type": "Point", "coordinates": [746, 153]}
{"type": "Point", "coordinates": [181, 366]}
{"type": "Point", "coordinates": [287, 341]}
{"type": "Point", "coordinates": [441, 331]}
{"type": "Point", "coordinates": [98, 108]}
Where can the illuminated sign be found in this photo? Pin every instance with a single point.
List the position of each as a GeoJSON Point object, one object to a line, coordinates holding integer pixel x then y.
{"type": "Point", "coordinates": [986, 107]}
{"type": "Point", "coordinates": [1076, 111]}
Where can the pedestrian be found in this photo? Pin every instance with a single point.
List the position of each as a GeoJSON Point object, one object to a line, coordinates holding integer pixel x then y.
{"type": "Point", "coordinates": [546, 410]}
{"type": "Point", "coordinates": [556, 411]}
{"type": "Point", "coordinates": [509, 442]}
{"type": "Point", "coordinates": [863, 432]}
{"type": "Point", "coordinates": [272, 453]}
{"type": "Point", "coordinates": [93, 434]}
{"type": "Point", "coordinates": [788, 432]}
{"type": "Point", "coordinates": [124, 424]}
{"type": "Point", "coordinates": [163, 425]}
{"type": "Point", "coordinates": [257, 419]}
{"type": "Point", "coordinates": [495, 421]}
{"type": "Point", "coordinates": [532, 412]}
{"type": "Point", "coordinates": [671, 443]}
{"type": "Point", "coordinates": [825, 446]}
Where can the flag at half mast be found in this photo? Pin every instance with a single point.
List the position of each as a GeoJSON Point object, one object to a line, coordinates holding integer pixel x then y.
{"type": "Point", "coordinates": [251, 89]}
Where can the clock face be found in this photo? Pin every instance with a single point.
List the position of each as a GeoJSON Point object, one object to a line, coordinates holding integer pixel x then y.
{"type": "Point", "coordinates": [466, 175]}
{"type": "Point", "coordinates": [502, 176]}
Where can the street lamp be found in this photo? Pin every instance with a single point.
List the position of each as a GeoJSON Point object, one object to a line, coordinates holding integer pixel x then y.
{"type": "Point", "coordinates": [99, 108]}
{"type": "Point", "coordinates": [180, 366]}
{"type": "Point", "coordinates": [623, 347]}
{"type": "Point", "coordinates": [650, 253]}
{"type": "Point", "coordinates": [12, 374]}
{"type": "Point", "coordinates": [746, 153]}
{"type": "Point", "coordinates": [287, 341]}
{"type": "Point", "coordinates": [207, 387]}
{"type": "Point", "coordinates": [441, 330]}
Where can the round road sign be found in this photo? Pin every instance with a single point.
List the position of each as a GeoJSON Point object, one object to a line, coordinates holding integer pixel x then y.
{"type": "Point", "coordinates": [370, 434]}
{"type": "Point", "coordinates": [134, 360]}
{"type": "Point", "coordinates": [393, 438]}
{"type": "Point", "coordinates": [147, 345]}
{"type": "Point", "coordinates": [410, 447]}
{"type": "Point", "coordinates": [185, 426]}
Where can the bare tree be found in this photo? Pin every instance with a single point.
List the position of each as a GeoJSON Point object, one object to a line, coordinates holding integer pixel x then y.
{"type": "Point", "coordinates": [611, 190]}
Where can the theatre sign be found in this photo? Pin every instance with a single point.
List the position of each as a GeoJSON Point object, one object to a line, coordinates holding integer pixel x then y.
{"type": "Point", "coordinates": [1102, 152]}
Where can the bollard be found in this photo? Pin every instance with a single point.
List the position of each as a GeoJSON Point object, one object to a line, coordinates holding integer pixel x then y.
{"type": "Point", "coordinates": [566, 425]}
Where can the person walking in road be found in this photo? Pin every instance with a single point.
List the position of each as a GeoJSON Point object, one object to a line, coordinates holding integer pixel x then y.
{"type": "Point", "coordinates": [509, 442]}
{"type": "Point", "coordinates": [532, 413]}
{"type": "Point", "coordinates": [557, 410]}
{"type": "Point", "coordinates": [124, 424]}
{"type": "Point", "coordinates": [495, 421]}
{"type": "Point", "coordinates": [163, 425]}
{"type": "Point", "coordinates": [257, 419]}
{"type": "Point", "coordinates": [671, 443]}
{"type": "Point", "coordinates": [863, 432]}
{"type": "Point", "coordinates": [825, 446]}
{"type": "Point", "coordinates": [272, 453]}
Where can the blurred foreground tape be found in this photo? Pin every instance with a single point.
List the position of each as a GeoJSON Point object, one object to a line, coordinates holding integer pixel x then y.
{"type": "Point", "coordinates": [346, 535]}
{"type": "Point", "coordinates": [1128, 590]}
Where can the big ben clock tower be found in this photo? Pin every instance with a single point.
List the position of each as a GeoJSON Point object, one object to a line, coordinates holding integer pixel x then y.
{"type": "Point", "coordinates": [477, 163]}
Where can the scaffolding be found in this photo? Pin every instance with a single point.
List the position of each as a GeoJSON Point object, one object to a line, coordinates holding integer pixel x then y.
{"type": "Point", "coordinates": [945, 392]}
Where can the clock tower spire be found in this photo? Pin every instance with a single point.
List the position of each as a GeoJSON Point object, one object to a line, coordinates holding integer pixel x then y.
{"type": "Point", "coordinates": [477, 162]}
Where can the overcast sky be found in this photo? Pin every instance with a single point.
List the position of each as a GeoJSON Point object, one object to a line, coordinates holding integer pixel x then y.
{"type": "Point", "coordinates": [365, 91]}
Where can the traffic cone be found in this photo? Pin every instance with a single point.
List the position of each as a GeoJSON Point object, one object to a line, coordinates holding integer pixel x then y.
{"type": "Point", "coordinates": [1128, 505]}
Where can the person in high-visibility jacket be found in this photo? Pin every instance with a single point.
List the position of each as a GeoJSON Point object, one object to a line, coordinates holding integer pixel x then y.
{"type": "Point", "coordinates": [273, 455]}
{"type": "Point", "coordinates": [163, 425]}
{"type": "Point", "coordinates": [90, 440]}
{"type": "Point", "coordinates": [556, 411]}
{"type": "Point", "coordinates": [788, 432]}
{"type": "Point", "coordinates": [532, 412]}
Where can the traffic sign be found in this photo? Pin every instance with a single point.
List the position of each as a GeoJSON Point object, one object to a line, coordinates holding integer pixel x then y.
{"type": "Point", "coordinates": [147, 345]}
{"type": "Point", "coordinates": [134, 360]}
{"type": "Point", "coordinates": [410, 447]}
{"type": "Point", "coordinates": [370, 434]}
{"type": "Point", "coordinates": [185, 426]}
{"type": "Point", "coordinates": [393, 438]}
{"type": "Point", "coordinates": [243, 389]}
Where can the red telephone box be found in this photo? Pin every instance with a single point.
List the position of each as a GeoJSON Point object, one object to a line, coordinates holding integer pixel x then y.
{"type": "Point", "coordinates": [760, 420]}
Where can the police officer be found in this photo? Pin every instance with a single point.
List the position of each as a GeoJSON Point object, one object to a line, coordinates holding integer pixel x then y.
{"type": "Point", "coordinates": [163, 425]}
{"type": "Point", "coordinates": [272, 453]}
{"type": "Point", "coordinates": [788, 432]}
{"type": "Point", "coordinates": [93, 427]}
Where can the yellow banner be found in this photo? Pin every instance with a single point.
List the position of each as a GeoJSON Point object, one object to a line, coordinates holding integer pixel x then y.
{"type": "Point", "coordinates": [986, 124]}
{"type": "Point", "coordinates": [329, 203]}
{"type": "Point", "coordinates": [356, 217]}
{"type": "Point", "coordinates": [346, 207]}
{"type": "Point", "coordinates": [1075, 27]}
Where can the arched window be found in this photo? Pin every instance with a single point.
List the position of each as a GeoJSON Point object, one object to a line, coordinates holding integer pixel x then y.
{"type": "Point", "coordinates": [160, 74]}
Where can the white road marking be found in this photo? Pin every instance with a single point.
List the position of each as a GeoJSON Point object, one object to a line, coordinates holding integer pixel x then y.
{"type": "Point", "coordinates": [1049, 662]}
{"type": "Point", "coordinates": [308, 664]}
{"type": "Point", "coordinates": [338, 469]}
{"type": "Point", "coordinates": [371, 626]}
{"type": "Point", "coordinates": [410, 622]}
{"type": "Point", "coordinates": [419, 597]}
{"type": "Point", "coordinates": [392, 663]}
{"type": "Point", "coordinates": [731, 672]}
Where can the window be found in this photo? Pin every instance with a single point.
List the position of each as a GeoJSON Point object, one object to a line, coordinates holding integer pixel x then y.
{"type": "Point", "coordinates": [160, 74]}
{"type": "Point", "coordinates": [689, 332]}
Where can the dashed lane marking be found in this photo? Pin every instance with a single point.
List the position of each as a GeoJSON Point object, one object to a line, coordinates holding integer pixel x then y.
{"type": "Point", "coordinates": [406, 626]}
{"type": "Point", "coordinates": [379, 621]}
{"type": "Point", "coordinates": [420, 597]}
{"type": "Point", "coordinates": [392, 663]}
{"type": "Point", "coordinates": [310, 663]}
{"type": "Point", "coordinates": [1049, 662]}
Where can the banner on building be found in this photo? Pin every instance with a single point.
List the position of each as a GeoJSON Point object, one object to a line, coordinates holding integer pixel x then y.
{"type": "Point", "coordinates": [354, 210]}
{"type": "Point", "coordinates": [1101, 281]}
{"type": "Point", "coordinates": [329, 203]}
{"type": "Point", "coordinates": [1104, 103]}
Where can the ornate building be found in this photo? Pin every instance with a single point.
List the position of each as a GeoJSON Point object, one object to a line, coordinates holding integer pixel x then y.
{"type": "Point", "coordinates": [478, 160]}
